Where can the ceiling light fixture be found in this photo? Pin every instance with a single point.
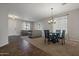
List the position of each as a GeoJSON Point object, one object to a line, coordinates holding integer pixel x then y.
{"type": "Point", "coordinates": [13, 16]}
{"type": "Point", "coordinates": [51, 17]}
{"type": "Point", "coordinates": [63, 3]}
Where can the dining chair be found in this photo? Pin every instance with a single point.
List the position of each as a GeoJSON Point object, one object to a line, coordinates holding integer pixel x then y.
{"type": "Point", "coordinates": [63, 37]}
{"type": "Point", "coordinates": [47, 35]}
{"type": "Point", "coordinates": [54, 37]}
{"type": "Point", "coordinates": [59, 33]}
{"type": "Point", "coordinates": [57, 36]}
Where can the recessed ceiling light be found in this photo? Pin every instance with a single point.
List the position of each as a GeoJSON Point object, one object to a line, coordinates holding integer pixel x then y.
{"type": "Point", "coordinates": [63, 3]}
{"type": "Point", "coordinates": [10, 15]}
{"type": "Point", "coordinates": [13, 16]}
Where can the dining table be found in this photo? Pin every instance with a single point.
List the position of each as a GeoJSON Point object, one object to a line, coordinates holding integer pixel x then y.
{"type": "Point", "coordinates": [54, 37]}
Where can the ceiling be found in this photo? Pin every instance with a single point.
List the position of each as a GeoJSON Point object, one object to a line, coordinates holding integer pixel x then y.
{"type": "Point", "coordinates": [38, 11]}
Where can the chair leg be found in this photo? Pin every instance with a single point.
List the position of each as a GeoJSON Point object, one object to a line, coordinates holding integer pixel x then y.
{"type": "Point", "coordinates": [63, 41]}
{"type": "Point", "coordinates": [48, 41]}
{"type": "Point", "coordinates": [57, 40]}
{"type": "Point", "coordinates": [45, 40]}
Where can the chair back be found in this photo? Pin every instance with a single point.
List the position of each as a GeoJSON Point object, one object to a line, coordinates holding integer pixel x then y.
{"type": "Point", "coordinates": [58, 33]}
{"type": "Point", "coordinates": [46, 32]}
{"type": "Point", "coordinates": [54, 37]}
{"type": "Point", "coordinates": [63, 33]}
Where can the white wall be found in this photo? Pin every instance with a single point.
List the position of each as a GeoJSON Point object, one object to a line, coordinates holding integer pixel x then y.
{"type": "Point", "coordinates": [73, 24]}
{"type": "Point", "coordinates": [43, 26]}
{"type": "Point", "coordinates": [3, 25]}
{"type": "Point", "coordinates": [14, 27]}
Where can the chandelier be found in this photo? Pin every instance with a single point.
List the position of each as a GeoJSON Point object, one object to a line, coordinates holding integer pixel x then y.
{"type": "Point", "coordinates": [51, 18]}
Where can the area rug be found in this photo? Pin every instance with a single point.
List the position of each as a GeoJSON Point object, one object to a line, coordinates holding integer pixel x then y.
{"type": "Point", "coordinates": [69, 49]}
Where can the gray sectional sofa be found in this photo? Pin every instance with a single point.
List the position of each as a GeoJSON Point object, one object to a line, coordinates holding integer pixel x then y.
{"type": "Point", "coordinates": [31, 33]}
{"type": "Point", "coordinates": [36, 33]}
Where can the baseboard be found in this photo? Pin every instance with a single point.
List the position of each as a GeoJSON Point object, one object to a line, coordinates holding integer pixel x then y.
{"type": "Point", "coordinates": [74, 39]}
{"type": "Point", "coordinates": [13, 35]}
{"type": "Point", "coordinates": [3, 44]}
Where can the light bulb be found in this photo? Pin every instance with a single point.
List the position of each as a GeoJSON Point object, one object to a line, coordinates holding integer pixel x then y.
{"type": "Point", "coordinates": [51, 20]}
{"type": "Point", "coordinates": [54, 20]}
{"type": "Point", "coordinates": [10, 15]}
{"type": "Point", "coordinates": [48, 21]}
{"type": "Point", "coordinates": [13, 16]}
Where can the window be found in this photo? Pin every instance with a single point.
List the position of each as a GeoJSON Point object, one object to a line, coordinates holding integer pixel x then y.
{"type": "Point", "coordinates": [25, 26]}
{"type": "Point", "coordinates": [61, 24]}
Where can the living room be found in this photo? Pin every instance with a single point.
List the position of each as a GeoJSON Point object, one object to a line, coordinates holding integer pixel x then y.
{"type": "Point", "coordinates": [26, 25]}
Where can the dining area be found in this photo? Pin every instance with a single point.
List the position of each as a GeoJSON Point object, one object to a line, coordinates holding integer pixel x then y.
{"type": "Point", "coordinates": [57, 31]}
{"type": "Point", "coordinates": [54, 37]}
